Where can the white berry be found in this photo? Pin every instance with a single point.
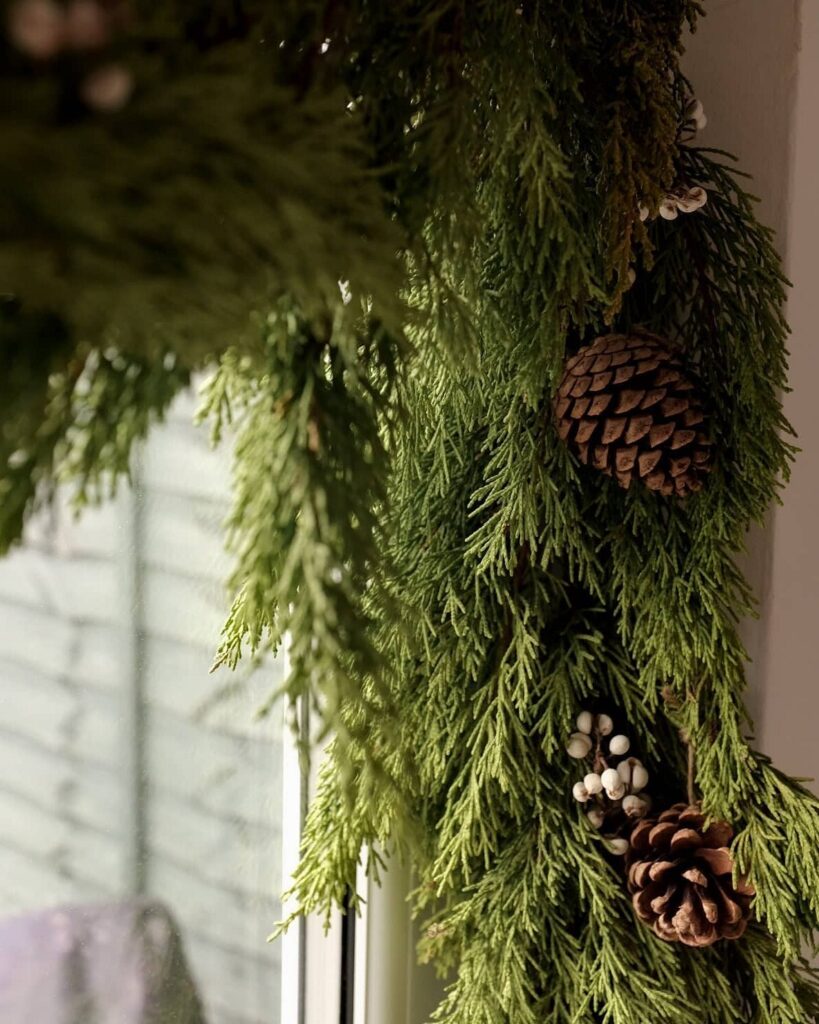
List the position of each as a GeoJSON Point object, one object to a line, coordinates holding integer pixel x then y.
{"type": "Point", "coordinates": [579, 745]}
{"type": "Point", "coordinates": [87, 25]}
{"type": "Point", "coordinates": [696, 113]}
{"type": "Point", "coordinates": [596, 817]}
{"type": "Point", "coordinates": [633, 806]}
{"type": "Point", "coordinates": [639, 777]}
{"type": "Point", "coordinates": [685, 204]}
{"type": "Point", "coordinates": [593, 783]}
{"type": "Point", "coordinates": [37, 27]}
{"type": "Point", "coordinates": [610, 779]}
{"type": "Point", "coordinates": [619, 745]}
{"type": "Point", "coordinates": [580, 793]}
{"type": "Point", "coordinates": [605, 726]}
{"type": "Point", "coordinates": [692, 199]}
{"type": "Point", "coordinates": [585, 721]}
{"type": "Point", "coordinates": [108, 88]}
{"type": "Point", "coordinates": [617, 792]}
{"type": "Point", "coordinates": [618, 846]}
{"type": "Point", "coordinates": [698, 196]}
{"type": "Point", "coordinates": [668, 209]}
{"type": "Point", "coordinates": [624, 771]}
{"type": "Point", "coordinates": [644, 212]}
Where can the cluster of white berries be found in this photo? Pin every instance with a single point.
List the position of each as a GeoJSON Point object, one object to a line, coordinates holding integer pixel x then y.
{"type": "Point", "coordinates": [681, 200]}
{"type": "Point", "coordinates": [608, 786]}
{"type": "Point", "coordinates": [45, 29]}
{"type": "Point", "coordinates": [580, 742]}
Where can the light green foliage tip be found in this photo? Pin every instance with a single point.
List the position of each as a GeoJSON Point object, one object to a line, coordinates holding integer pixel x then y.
{"type": "Point", "coordinates": [380, 227]}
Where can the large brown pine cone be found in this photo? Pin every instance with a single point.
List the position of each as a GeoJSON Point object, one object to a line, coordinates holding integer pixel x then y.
{"type": "Point", "coordinates": [680, 878]}
{"type": "Point", "coordinates": [627, 406]}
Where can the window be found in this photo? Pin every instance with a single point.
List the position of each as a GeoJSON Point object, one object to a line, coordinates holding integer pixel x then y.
{"type": "Point", "coordinates": [127, 772]}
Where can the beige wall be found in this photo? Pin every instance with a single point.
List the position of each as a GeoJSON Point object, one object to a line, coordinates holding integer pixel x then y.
{"type": "Point", "coordinates": [790, 696]}
{"type": "Point", "coordinates": [755, 65]}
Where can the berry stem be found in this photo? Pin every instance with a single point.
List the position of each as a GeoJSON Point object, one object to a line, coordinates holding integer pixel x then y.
{"type": "Point", "coordinates": [600, 763]}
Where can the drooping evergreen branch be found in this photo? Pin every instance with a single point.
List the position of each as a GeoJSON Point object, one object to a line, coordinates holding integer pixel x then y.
{"type": "Point", "coordinates": [309, 480]}
{"type": "Point", "coordinates": [80, 430]}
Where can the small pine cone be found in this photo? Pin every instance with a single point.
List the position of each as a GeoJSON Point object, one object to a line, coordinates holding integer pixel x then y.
{"type": "Point", "coordinates": [680, 878]}
{"type": "Point", "coordinates": [627, 406]}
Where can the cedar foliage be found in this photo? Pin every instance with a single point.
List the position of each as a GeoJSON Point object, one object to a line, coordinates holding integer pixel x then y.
{"type": "Point", "coordinates": [386, 225]}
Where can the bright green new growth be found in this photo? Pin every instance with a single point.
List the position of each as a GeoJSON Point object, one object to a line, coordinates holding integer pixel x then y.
{"type": "Point", "coordinates": [436, 202]}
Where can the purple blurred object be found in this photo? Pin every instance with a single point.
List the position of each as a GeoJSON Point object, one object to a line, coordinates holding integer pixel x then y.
{"type": "Point", "coordinates": [118, 964]}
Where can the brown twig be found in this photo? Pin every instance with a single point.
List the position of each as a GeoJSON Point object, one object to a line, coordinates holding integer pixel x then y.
{"type": "Point", "coordinates": [692, 696]}
{"type": "Point", "coordinates": [692, 796]}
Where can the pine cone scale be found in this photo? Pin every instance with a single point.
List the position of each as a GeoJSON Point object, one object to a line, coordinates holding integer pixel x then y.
{"type": "Point", "coordinates": [660, 868]}
{"type": "Point", "coordinates": [660, 903]}
{"type": "Point", "coordinates": [638, 427]}
{"type": "Point", "coordinates": [685, 839]}
{"type": "Point", "coordinates": [730, 910]}
{"type": "Point", "coordinates": [660, 433]}
{"type": "Point", "coordinates": [696, 876]}
{"type": "Point", "coordinates": [653, 397]}
{"type": "Point", "coordinates": [718, 860]}
{"type": "Point", "coordinates": [711, 909]}
{"type": "Point", "coordinates": [661, 834]}
{"type": "Point", "coordinates": [629, 400]}
{"type": "Point", "coordinates": [647, 462]}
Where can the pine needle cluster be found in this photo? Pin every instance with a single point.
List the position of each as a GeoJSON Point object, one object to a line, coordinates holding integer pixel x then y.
{"type": "Point", "coordinates": [386, 225]}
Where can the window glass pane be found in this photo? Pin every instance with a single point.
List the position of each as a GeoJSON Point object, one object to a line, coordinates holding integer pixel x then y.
{"type": "Point", "coordinates": [125, 768]}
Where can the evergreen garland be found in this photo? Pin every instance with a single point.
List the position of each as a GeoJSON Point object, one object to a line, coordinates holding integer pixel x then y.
{"type": "Point", "coordinates": [387, 225]}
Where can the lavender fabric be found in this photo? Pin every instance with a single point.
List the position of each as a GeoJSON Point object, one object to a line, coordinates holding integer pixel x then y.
{"type": "Point", "coordinates": [118, 964]}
